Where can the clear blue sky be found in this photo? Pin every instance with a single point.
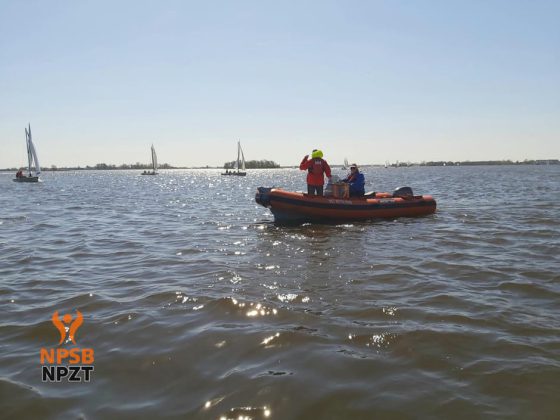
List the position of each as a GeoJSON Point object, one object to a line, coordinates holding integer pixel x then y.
{"type": "Point", "coordinates": [372, 81]}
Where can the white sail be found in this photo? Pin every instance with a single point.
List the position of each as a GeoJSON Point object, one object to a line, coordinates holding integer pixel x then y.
{"type": "Point", "coordinates": [34, 153]}
{"type": "Point", "coordinates": [29, 157]}
{"type": "Point", "coordinates": [345, 162]}
{"type": "Point", "coordinates": [237, 161]}
{"type": "Point", "coordinates": [242, 157]}
{"type": "Point", "coordinates": [32, 159]}
{"type": "Point", "coordinates": [154, 159]}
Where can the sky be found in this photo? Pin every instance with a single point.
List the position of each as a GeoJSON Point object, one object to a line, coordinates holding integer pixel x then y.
{"type": "Point", "coordinates": [371, 81]}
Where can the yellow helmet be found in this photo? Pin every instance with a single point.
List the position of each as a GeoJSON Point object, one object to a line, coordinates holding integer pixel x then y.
{"type": "Point", "coordinates": [317, 154]}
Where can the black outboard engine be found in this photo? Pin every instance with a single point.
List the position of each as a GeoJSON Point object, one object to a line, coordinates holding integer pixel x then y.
{"type": "Point", "coordinates": [262, 196]}
{"type": "Point", "coordinates": [403, 192]}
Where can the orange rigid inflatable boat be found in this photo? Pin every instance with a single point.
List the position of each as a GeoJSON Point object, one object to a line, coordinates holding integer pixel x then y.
{"type": "Point", "coordinates": [297, 207]}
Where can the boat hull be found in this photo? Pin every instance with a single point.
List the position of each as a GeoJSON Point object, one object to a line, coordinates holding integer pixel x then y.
{"type": "Point", "coordinates": [27, 179]}
{"type": "Point", "coordinates": [292, 207]}
{"type": "Point", "coordinates": [235, 173]}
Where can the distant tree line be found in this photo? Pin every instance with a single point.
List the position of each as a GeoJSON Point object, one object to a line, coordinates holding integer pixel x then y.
{"type": "Point", "coordinates": [101, 166]}
{"type": "Point", "coordinates": [492, 162]}
{"type": "Point", "coordinates": [137, 165]}
{"type": "Point", "coordinates": [261, 164]}
{"type": "Point", "coordinates": [254, 164]}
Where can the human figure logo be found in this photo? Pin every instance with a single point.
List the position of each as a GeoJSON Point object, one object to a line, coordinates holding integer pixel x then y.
{"type": "Point", "coordinates": [62, 329]}
{"type": "Point", "coordinates": [67, 363]}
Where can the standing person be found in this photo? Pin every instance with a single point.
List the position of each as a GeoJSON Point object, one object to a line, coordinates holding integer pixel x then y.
{"type": "Point", "coordinates": [316, 167]}
{"type": "Point", "coordinates": [356, 180]}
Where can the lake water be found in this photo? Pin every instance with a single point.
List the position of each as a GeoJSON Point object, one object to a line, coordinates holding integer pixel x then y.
{"type": "Point", "coordinates": [197, 306]}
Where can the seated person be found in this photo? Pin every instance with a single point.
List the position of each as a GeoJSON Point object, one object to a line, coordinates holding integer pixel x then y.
{"type": "Point", "coordinates": [356, 181]}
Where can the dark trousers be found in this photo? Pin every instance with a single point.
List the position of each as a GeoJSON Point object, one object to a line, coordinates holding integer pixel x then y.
{"type": "Point", "coordinates": [312, 189]}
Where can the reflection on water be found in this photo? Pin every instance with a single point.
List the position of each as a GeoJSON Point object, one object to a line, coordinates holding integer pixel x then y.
{"type": "Point", "coordinates": [198, 306]}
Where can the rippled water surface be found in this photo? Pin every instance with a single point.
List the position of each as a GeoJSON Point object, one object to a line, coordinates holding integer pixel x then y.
{"type": "Point", "coordinates": [197, 306]}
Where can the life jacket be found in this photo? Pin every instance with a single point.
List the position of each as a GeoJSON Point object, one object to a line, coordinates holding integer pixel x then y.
{"type": "Point", "coordinates": [316, 168]}
{"type": "Point", "coordinates": [356, 182]}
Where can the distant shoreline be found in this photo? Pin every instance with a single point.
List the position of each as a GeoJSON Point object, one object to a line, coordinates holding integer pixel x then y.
{"type": "Point", "coordinates": [393, 165]}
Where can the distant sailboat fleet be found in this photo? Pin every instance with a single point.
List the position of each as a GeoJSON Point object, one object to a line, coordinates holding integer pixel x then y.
{"type": "Point", "coordinates": [238, 169]}
{"type": "Point", "coordinates": [34, 169]}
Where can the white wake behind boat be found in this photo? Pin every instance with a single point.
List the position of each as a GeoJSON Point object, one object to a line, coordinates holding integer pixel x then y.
{"type": "Point", "coordinates": [33, 167]}
{"type": "Point", "coordinates": [154, 164]}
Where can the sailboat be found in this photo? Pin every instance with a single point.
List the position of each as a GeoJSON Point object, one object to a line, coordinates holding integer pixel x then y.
{"type": "Point", "coordinates": [239, 167]}
{"type": "Point", "coordinates": [32, 161]}
{"type": "Point", "coordinates": [154, 163]}
{"type": "Point", "coordinates": [345, 166]}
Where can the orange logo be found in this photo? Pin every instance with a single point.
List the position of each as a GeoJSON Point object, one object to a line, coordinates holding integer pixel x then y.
{"type": "Point", "coordinates": [73, 363]}
{"type": "Point", "coordinates": [71, 330]}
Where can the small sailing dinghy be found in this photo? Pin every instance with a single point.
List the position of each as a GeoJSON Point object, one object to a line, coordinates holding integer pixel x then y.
{"type": "Point", "coordinates": [345, 166]}
{"type": "Point", "coordinates": [154, 164]}
{"type": "Point", "coordinates": [33, 167]}
{"type": "Point", "coordinates": [239, 167]}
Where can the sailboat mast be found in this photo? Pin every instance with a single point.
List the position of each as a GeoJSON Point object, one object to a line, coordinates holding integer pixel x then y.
{"type": "Point", "coordinates": [238, 150]}
{"type": "Point", "coordinates": [28, 144]}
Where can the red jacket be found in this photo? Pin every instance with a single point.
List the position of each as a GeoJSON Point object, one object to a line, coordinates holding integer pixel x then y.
{"type": "Point", "coordinates": [316, 168]}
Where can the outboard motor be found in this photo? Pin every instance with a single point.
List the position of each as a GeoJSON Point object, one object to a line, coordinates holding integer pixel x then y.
{"type": "Point", "coordinates": [262, 196]}
{"type": "Point", "coordinates": [403, 192]}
